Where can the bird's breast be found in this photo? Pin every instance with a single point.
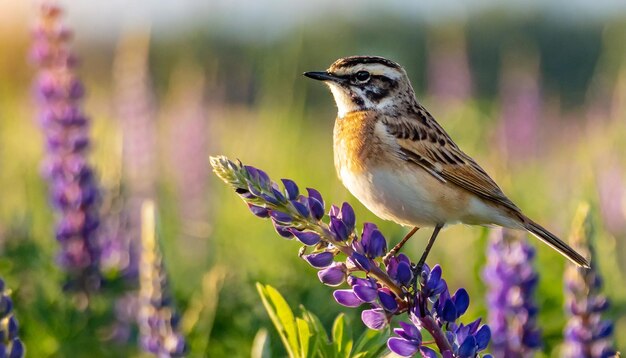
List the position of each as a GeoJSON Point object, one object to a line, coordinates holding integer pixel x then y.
{"type": "Point", "coordinates": [368, 165]}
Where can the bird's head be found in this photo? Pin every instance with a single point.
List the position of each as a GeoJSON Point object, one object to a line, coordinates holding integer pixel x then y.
{"type": "Point", "coordinates": [361, 83]}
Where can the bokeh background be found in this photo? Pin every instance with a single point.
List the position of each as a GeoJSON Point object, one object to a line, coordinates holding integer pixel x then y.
{"type": "Point", "coordinates": [535, 92]}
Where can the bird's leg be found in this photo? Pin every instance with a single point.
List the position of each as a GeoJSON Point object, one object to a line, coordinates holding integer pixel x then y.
{"type": "Point", "coordinates": [431, 241]}
{"type": "Point", "coordinates": [399, 245]}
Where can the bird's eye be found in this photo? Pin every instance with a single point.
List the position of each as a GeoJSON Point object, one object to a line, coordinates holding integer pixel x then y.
{"type": "Point", "coordinates": [362, 76]}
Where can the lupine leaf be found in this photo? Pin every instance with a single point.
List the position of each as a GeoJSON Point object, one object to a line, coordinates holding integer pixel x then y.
{"type": "Point", "coordinates": [305, 336]}
{"type": "Point", "coordinates": [323, 347]}
{"type": "Point", "coordinates": [370, 344]}
{"type": "Point", "coordinates": [342, 336]}
{"type": "Point", "coordinates": [282, 317]}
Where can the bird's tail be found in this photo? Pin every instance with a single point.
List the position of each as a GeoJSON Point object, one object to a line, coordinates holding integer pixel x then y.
{"type": "Point", "coordinates": [556, 243]}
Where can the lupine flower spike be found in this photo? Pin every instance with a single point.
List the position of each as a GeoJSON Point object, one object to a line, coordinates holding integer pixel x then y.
{"type": "Point", "coordinates": [343, 255]}
{"type": "Point", "coordinates": [512, 282]}
{"type": "Point", "coordinates": [73, 187]}
{"type": "Point", "coordinates": [10, 344]}
{"type": "Point", "coordinates": [587, 335]}
{"type": "Point", "coordinates": [158, 322]}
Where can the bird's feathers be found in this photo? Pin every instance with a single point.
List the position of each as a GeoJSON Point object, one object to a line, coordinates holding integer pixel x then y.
{"type": "Point", "coordinates": [425, 143]}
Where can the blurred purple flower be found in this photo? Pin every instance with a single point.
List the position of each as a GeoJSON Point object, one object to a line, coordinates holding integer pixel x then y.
{"type": "Point", "coordinates": [158, 322]}
{"type": "Point", "coordinates": [10, 344]}
{"type": "Point", "coordinates": [611, 184]}
{"type": "Point", "coordinates": [511, 282]}
{"type": "Point", "coordinates": [73, 187]}
{"type": "Point", "coordinates": [188, 141]}
{"type": "Point", "coordinates": [449, 75]}
{"type": "Point", "coordinates": [383, 290]}
{"type": "Point", "coordinates": [521, 106]}
{"type": "Point", "coordinates": [587, 335]}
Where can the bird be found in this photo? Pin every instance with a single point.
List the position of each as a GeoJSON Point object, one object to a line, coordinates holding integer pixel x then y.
{"type": "Point", "coordinates": [394, 157]}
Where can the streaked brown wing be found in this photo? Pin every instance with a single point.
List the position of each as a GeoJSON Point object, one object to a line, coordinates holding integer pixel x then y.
{"type": "Point", "coordinates": [423, 142]}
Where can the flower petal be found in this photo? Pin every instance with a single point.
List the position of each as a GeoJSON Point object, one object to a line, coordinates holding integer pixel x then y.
{"type": "Point", "coordinates": [374, 318]}
{"type": "Point", "coordinates": [365, 293]}
{"type": "Point", "coordinates": [320, 260]}
{"type": "Point", "coordinates": [483, 336]}
{"type": "Point", "coordinates": [411, 331]}
{"type": "Point", "coordinates": [316, 207]}
{"type": "Point", "coordinates": [316, 195]}
{"type": "Point", "coordinates": [333, 275]}
{"type": "Point", "coordinates": [427, 352]}
{"type": "Point", "coordinates": [461, 301]}
{"type": "Point", "coordinates": [347, 216]}
{"type": "Point", "coordinates": [291, 188]}
{"type": "Point", "coordinates": [361, 261]}
{"type": "Point", "coordinates": [404, 273]}
{"type": "Point", "coordinates": [281, 230]}
{"type": "Point", "coordinates": [377, 245]}
{"type": "Point", "coordinates": [387, 301]}
{"type": "Point", "coordinates": [402, 347]}
{"type": "Point", "coordinates": [301, 208]}
{"type": "Point", "coordinates": [308, 238]}
{"type": "Point", "coordinates": [338, 228]}
{"type": "Point", "coordinates": [467, 348]}
{"type": "Point", "coordinates": [258, 210]}
{"type": "Point", "coordinates": [281, 217]}
{"type": "Point", "coordinates": [347, 298]}
{"type": "Point", "coordinates": [448, 312]}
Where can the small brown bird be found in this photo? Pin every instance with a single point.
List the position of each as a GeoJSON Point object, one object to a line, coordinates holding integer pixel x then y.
{"type": "Point", "coordinates": [399, 162]}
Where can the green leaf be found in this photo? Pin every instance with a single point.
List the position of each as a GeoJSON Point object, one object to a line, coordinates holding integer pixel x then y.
{"type": "Point", "coordinates": [306, 338]}
{"type": "Point", "coordinates": [282, 317]}
{"type": "Point", "coordinates": [371, 344]}
{"type": "Point", "coordinates": [323, 347]}
{"type": "Point", "coordinates": [342, 336]}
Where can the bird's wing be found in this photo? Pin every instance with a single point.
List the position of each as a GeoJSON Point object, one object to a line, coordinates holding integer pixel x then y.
{"type": "Point", "coordinates": [423, 142]}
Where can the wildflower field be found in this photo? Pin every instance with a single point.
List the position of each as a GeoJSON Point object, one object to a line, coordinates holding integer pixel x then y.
{"type": "Point", "coordinates": [171, 191]}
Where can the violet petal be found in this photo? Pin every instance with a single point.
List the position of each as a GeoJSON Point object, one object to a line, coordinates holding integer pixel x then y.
{"type": "Point", "coordinates": [347, 298]}
{"type": "Point", "coordinates": [402, 347]}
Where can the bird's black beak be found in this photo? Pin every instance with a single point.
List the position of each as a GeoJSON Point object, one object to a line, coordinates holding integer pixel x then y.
{"type": "Point", "coordinates": [323, 76]}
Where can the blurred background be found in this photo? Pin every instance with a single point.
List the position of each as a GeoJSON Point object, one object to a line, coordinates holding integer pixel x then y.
{"type": "Point", "coordinates": [534, 91]}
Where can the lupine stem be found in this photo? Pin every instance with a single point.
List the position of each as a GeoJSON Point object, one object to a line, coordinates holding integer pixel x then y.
{"type": "Point", "coordinates": [433, 328]}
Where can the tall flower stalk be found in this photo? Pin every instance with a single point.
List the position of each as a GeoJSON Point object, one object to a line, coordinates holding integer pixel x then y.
{"type": "Point", "coordinates": [587, 335]}
{"type": "Point", "coordinates": [449, 74]}
{"type": "Point", "coordinates": [10, 344]}
{"type": "Point", "coordinates": [512, 282]}
{"type": "Point", "coordinates": [135, 109]}
{"type": "Point", "coordinates": [157, 319]}
{"type": "Point", "coordinates": [521, 106]}
{"type": "Point", "coordinates": [73, 187]}
{"type": "Point", "coordinates": [384, 284]}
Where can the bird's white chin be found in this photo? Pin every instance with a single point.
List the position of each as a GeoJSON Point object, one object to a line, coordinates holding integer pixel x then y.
{"type": "Point", "coordinates": [342, 99]}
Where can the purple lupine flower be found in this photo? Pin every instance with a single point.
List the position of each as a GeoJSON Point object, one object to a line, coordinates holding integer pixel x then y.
{"type": "Point", "coordinates": [449, 75]}
{"type": "Point", "coordinates": [611, 184]}
{"type": "Point", "coordinates": [10, 344]}
{"type": "Point", "coordinates": [341, 254]}
{"type": "Point", "coordinates": [158, 322]}
{"type": "Point", "coordinates": [587, 335]}
{"type": "Point", "coordinates": [188, 139]}
{"type": "Point", "coordinates": [512, 282]}
{"type": "Point", "coordinates": [135, 111]}
{"type": "Point", "coordinates": [74, 190]}
{"type": "Point", "coordinates": [520, 97]}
